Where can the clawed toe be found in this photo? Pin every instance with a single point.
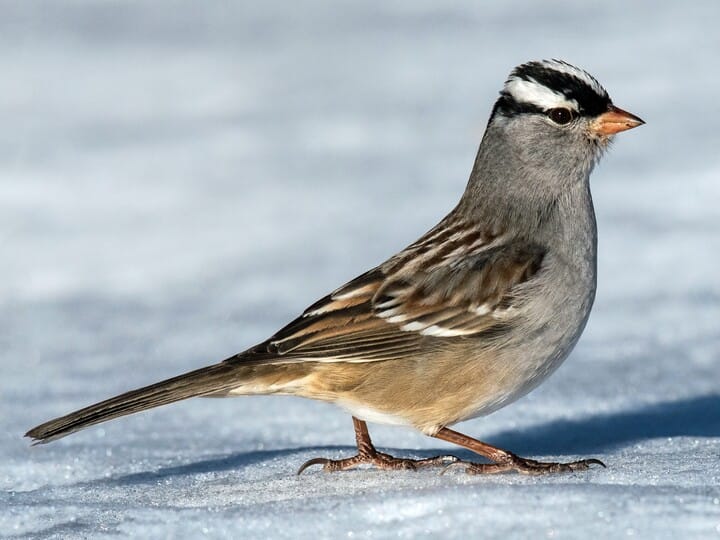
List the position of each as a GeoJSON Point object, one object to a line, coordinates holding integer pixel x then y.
{"type": "Point", "coordinates": [379, 460]}
{"type": "Point", "coordinates": [310, 462]}
{"type": "Point", "coordinates": [592, 461]}
{"type": "Point", "coordinates": [524, 466]}
{"type": "Point", "coordinates": [530, 466]}
{"type": "Point", "coordinates": [368, 455]}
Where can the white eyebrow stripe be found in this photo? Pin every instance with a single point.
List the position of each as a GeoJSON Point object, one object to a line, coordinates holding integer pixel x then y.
{"type": "Point", "coordinates": [530, 91]}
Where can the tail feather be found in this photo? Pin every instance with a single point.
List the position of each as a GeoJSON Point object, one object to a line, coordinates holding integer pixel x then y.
{"type": "Point", "coordinates": [203, 381]}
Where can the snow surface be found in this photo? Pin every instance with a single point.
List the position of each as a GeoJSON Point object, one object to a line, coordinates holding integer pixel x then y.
{"type": "Point", "coordinates": [179, 179]}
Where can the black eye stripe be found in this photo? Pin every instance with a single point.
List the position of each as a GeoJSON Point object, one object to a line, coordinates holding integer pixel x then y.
{"type": "Point", "coordinates": [508, 105]}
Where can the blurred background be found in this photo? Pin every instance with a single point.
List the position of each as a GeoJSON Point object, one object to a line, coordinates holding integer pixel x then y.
{"type": "Point", "coordinates": [179, 179]}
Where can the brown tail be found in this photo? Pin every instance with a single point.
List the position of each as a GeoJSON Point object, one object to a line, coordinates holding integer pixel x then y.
{"type": "Point", "coordinates": [204, 381]}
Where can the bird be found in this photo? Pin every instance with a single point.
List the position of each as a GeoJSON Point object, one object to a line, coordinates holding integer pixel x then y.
{"type": "Point", "coordinates": [467, 319]}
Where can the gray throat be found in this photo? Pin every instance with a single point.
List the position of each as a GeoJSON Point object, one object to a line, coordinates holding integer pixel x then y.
{"type": "Point", "coordinates": [527, 188]}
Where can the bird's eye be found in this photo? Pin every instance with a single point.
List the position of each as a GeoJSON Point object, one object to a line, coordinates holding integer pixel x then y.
{"type": "Point", "coordinates": [561, 115]}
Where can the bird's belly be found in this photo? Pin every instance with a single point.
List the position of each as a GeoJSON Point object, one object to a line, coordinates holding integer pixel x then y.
{"type": "Point", "coordinates": [529, 368]}
{"type": "Point", "coordinates": [371, 414]}
{"type": "Point", "coordinates": [527, 362]}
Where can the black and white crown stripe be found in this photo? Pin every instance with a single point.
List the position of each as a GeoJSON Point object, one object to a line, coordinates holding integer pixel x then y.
{"type": "Point", "coordinates": [547, 84]}
{"type": "Point", "coordinates": [567, 69]}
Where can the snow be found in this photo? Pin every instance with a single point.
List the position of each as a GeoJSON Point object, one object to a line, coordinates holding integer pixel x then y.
{"type": "Point", "coordinates": [179, 180]}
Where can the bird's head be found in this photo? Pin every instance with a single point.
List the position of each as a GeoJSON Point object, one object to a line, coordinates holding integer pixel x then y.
{"type": "Point", "coordinates": [546, 132]}
{"type": "Point", "coordinates": [552, 111]}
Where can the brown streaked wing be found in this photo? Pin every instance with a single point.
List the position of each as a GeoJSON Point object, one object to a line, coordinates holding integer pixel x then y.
{"type": "Point", "coordinates": [461, 296]}
{"type": "Point", "coordinates": [343, 327]}
{"type": "Point", "coordinates": [457, 287]}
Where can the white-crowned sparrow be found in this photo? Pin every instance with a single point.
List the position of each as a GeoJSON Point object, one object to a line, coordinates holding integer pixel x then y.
{"type": "Point", "coordinates": [470, 317]}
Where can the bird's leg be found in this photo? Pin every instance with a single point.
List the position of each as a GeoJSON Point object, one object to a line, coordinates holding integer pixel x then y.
{"type": "Point", "coordinates": [368, 455]}
{"type": "Point", "coordinates": [503, 461]}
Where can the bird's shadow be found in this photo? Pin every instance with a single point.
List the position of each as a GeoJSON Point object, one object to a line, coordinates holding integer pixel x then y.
{"type": "Point", "coordinates": [694, 417]}
{"type": "Point", "coordinates": [697, 416]}
{"type": "Point", "coordinates": [227, 463]}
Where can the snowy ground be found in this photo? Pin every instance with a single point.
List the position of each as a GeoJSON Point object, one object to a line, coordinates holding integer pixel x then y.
{"type": "Point", "coordinates": [179, 179]}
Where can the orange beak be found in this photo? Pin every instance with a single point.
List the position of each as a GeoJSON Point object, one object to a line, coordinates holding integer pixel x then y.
{"type": "Point", "coordinates": [614, 121]}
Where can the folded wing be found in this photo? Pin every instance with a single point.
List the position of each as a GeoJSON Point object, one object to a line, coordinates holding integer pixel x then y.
{"type": "Point", "coordinates": [452, 282]}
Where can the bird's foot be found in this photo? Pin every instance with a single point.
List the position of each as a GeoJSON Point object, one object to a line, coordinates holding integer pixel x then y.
{"type": "Point", "coordinates": [526, 466]}
{"type": "Point", "coordinates": [379, 460]}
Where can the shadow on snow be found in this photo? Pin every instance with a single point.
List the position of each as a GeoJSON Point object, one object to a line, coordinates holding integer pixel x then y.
{"type": "Point", "coordinates": [691, 417]}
